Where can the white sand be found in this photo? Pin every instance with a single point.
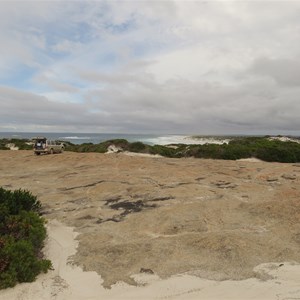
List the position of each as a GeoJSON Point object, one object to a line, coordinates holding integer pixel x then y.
{"type": "Point", "coordinates": [67, 282]}
{"type": "Point", "coordinates": [250, 159]}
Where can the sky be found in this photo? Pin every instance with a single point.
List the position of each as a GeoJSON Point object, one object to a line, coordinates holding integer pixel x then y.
{"type": "Point", "coordinates": [160, 66]}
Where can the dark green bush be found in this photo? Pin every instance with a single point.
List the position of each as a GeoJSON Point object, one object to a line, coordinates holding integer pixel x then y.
{"type": "Point", "coordinates": [25, 226]}
{"type": "Point", "coordinates": [18, 200]}
{"type": "Point", "coordinates": [207, 151]}
{"type": "Point", "coordinates": [100, 148]}
{"type": "Point", "coordinates": [23, 265]}
{"type": "Point", "coordinates": [234, 152]}
{"type": "Point", "coordinates": [246, 147]}
{"type": "Point", "coordinates": [163, 151]}
{"type": "Point", "coordinates": [22, 233]}
{"type": "Point", "coordinates": [277, 152]}
{"type": "Point", "coordinates": [137, 147]}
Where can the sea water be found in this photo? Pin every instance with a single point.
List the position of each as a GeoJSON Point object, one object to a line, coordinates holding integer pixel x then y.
{"type": "Point", "coordinates": [95, 138]}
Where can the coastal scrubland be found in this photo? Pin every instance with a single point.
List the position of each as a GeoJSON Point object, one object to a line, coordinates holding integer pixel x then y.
{"type": "Point", "coordinates": [263, 148]}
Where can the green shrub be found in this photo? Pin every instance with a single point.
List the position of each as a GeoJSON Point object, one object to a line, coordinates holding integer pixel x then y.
{"type": "Point", "coordinates": [137, 147]}
{"type": "Point", "coordinates": [18, 200]}
{"type": "Point", "coordinates": [277, 152]}
{"type": "Point", "coordinates": [22, 233]}
{"type": "Point", "coordinates": [163, 151]}
{"type": "Point", "coordinates": [100, 148]}
{"type": "Point", "coordinates": [23, 265]}
{"type": "Point", "coordinates": [26, 226]}
{"type": "Point", "coordinates": [207, 151]}
{"type": "Point", "coordinates": [233, 152]}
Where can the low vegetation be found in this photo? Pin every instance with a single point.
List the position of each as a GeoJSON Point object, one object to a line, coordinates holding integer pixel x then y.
{"type": "Point", "coordinates": [264, 148]}
{"type": "Point", "coordinates": [22, 233]}
{"type": "Point", "coordinates": [21, 144]}
{"type": "Point", "coordinates": [245, 147]}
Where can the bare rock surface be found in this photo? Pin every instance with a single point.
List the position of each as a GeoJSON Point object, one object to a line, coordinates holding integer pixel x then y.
{"type": "Point", "coordinates": [210, 218]}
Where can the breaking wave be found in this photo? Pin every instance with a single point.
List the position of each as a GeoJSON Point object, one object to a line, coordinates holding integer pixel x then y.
{"type": "Point", "coordinates": [180, 139]}
{"type": "Point", "coordinates": [75, 137]}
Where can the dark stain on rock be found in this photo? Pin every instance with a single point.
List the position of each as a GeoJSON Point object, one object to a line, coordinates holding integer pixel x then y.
{"type": "Point", "coordinates": [130, 207]}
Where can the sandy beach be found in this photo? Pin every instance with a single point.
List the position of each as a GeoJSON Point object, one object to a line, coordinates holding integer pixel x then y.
{"type": "Point", "coordinates": [135, 227]}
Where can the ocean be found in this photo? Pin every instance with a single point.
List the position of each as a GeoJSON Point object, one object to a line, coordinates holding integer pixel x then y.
{"type": "Point", "coordinates": [95, 138]}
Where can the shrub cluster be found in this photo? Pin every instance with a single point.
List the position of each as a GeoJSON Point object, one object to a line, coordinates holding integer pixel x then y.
{"type": "Point", "coordinates": [100, 148]}
{"type": "Point", "coordinates": [258, 147]}
{"type": "Point", "coordinates": [22, 233]}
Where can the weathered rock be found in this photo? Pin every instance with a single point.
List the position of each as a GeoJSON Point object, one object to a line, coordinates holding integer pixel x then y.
{"type": "Point", "coordinates": [211, 218]}
{"type": "Point", "coordinates": [289, 176]}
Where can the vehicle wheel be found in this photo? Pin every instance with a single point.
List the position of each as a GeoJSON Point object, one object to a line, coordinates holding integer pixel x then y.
{"type": "Point", "coordinates": [51, 151]}
{"type": "Point", "coordinates": [37, 153]}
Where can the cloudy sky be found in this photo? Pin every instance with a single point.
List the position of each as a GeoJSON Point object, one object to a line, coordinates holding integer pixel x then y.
{"type": "Point", "coordinates": [160, 66]}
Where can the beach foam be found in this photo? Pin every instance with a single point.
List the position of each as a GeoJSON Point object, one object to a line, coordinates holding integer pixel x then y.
{"type": "Point", "coordinates": [183, 139]}
{"type": "Point", "coordinates": [75, 137]}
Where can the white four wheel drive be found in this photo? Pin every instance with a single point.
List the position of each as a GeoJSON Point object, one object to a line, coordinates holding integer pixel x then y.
{"type": "Point", "coordinates": [43, 145]}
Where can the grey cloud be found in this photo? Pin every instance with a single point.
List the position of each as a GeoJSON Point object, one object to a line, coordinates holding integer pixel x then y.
{"type": "Point", "coordinates": [175, 106]}
{"type": "Point", "coordinates": [28, 108]}
{"type": "Point", "coordinates": [283, 71]}
{"type": "Point", "coordinates": [198, 106]}
{"type": "Point", "coordinates": [173, 66]}
{"type": "Point", "coordinates": [131, 73]}
{"type": "Point", "coordinates": [56, 83]}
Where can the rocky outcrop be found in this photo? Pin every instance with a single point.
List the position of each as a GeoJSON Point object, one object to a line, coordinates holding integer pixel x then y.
{"type": "Point", "coordinates": [211, 218]}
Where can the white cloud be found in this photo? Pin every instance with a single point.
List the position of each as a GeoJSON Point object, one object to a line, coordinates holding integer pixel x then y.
{"type": "Point", "coordinates": [161, 66]}
{"type": "Point", "coordinates": [66, 46]}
